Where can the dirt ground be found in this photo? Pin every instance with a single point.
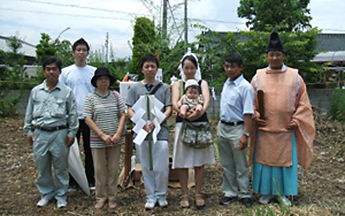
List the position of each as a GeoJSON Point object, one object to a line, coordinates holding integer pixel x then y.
{"type": "Point", "coordinates": [321, 190]}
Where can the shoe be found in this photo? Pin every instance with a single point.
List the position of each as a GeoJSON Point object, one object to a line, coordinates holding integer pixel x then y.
{"type": "Point", "coordinates": [43, 202]}
{"type": "Point", "coordinates": [112, 204]}
{"type": "Point", "coordinates": [99, 204]}
{"type": "Point", "coordinates": [184, 203]}
{"type": "Point", "coordinates": [227, 200]}
{"type": "Point", "coordinates": [286, 201]}
{"type": "Point", "coordinates": [200, 203]}
{"type": "Point", "coordinates": [61, 204]}
{"type": "Point", "coordinates": [92, 186]}
{"type": "Point", "coordinates": [162, 202]}
{"type": "Point", "coordinates": [247, 202]}
{"type": "Point", "coordinates": [150, 205]}
{"type": "Point", "coordinates": [72, 188]}
{"type": "Point", "coordinates": [265, 199]}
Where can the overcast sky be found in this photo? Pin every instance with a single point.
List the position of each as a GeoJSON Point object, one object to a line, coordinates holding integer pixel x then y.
{"type": "Point", "coordinates": [93, 19]}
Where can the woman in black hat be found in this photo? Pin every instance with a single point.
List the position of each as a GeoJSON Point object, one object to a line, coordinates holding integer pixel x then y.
{"type": "Point", "coordinates": [104, 113]}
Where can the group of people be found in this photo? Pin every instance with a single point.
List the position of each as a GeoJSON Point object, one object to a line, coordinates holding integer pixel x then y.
{"type": "Point", "coordinates": [279, 127]}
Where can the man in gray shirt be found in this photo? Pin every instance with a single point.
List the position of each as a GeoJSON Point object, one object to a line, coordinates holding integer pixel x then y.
{"type": "Point", "coordinates": [51, 123]}
{"type": "Point", "coordinates": [155, 180]}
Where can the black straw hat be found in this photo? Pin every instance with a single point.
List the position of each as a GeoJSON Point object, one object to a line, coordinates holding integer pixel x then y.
{"type": "Point", "coordinates": [275, 43]}
{"type": "Point", "coordinates": [100, 72]}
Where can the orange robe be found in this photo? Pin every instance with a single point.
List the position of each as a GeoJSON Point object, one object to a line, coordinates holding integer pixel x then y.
{"type": "Point", "coordinates": [282, 105]}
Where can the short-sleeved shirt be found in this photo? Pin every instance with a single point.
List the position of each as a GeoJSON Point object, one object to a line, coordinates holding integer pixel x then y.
{"type": "Point", "coordinates": [237, 99]}
{"type": "Point", "coordinates": [163, 94]}
{"type": "Point", "coordinates": [104, 112]}
{"type": "Point", "coordinates": [79, 80]}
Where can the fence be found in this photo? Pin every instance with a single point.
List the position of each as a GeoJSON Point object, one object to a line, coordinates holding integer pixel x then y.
{"type": "Point", "coordinates": [318, 97]}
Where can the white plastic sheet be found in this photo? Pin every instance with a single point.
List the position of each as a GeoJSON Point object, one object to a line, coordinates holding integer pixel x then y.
{"type": "Point", "coordinates": [76, 168]}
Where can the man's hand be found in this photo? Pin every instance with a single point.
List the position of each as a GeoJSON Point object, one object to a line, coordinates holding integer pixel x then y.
{"type": "Point", "coordinates": [260, 122]}
{"type": "Point", "coordinates": [69, 141]}
{"type": "Point", "coordinates": [31, 139]}
{"type": "Point", "coordinates": [149, 127]}
{"type": "Point", "coordinates": [243, 142]}
{"type": "Point", "coordinates": [293, 125]}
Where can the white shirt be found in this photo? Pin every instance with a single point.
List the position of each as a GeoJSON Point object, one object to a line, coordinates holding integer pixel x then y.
{"type": "Point", "coordinates": [79, 80]}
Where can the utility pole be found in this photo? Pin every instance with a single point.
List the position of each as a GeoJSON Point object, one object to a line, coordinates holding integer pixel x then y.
{"type": "Point", "coordinates": [165, 15]}
{"type": "Point", "coordinates": [185, 25]}
{"type": "Point", "coordinates": [106, 47]}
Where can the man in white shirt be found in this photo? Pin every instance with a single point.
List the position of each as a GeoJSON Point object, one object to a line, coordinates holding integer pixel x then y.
{"type": "Point", "coordinates": [78, 77]}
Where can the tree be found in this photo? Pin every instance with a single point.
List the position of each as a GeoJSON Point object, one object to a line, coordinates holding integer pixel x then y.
{"type": "Point", "coordinates": [287, 15]}
{"type": "Point", "coordinates": [64, 52]}
{"type": "Point", "coordinates": [45, 48]}
{"type": "Point", "coordinates": [13, 74]}
{"type": "Point", "coordinates": [299, 48]}
{"type": "Point", "coordinates": [144, 41]}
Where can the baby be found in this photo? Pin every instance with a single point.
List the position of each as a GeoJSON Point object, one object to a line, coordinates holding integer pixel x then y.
{"type": "Point", "coordinates": [190, 99]}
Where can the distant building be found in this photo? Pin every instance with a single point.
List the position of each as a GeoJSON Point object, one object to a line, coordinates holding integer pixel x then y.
{"type": "Point", "coordinates": [29, 51]}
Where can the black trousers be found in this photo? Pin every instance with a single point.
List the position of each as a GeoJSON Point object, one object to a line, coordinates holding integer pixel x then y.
{"type": "Point", "coordinates": [89, 170]}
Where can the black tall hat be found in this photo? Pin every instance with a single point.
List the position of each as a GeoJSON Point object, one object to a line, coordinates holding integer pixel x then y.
{"type": "Point", "coordinates": [275, 43]}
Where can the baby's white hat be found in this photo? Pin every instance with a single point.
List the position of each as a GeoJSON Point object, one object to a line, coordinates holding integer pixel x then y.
{"type": "Point", "coordinates": [190, 82]}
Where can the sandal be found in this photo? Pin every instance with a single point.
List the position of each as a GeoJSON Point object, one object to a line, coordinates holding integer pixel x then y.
{"type": "Point", "coordinates": [184, 203]}
{"type": "Point", "coordinates": [200, 203]}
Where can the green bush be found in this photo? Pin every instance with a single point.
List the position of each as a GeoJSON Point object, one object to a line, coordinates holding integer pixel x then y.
{"type": "Point", "coordinates": [337, 106]}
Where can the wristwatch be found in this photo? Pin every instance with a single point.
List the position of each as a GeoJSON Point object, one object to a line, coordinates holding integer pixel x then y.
{"type": "Point", "coordinates": [246, 134]}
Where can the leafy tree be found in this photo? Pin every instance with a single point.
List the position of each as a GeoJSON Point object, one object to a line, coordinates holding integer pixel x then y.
{"type": "Point", "coordinates": [13, 75]}
{"type": "Point", "coordinates": [286, 15]}
{"type": "Point", "coordinates": [64, 52]}
{"type": "Point", "coordinates": [45, 48]}
{"type": "Point", "coordinates": [144, 41]}
{"type": "Point", "coordinates": [299, 48]}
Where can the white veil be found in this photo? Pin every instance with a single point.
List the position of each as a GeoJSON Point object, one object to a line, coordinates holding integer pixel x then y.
{"type": "Point", "coordinates": [197, 74]}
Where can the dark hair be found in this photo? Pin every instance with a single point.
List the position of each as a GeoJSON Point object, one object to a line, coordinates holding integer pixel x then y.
{"type": "Point", "coordinates": [52, 60]}
{"type": "Point", "coordinates": [80, 41]}
{"type": "Point", "coordinates": [234, 58]}
{"type": "Point", "coordinates": [149, 58]}
{"type": "Point", "coordinates": [190, 58]}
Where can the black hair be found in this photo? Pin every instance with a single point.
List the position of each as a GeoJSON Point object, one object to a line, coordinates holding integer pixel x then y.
{"type": "Point", "coordinates": [149, 58]}
{"type": "Point", "coordinates": [52, 60]}
{"type": "Point", "coordinates": [234, 58]}
{"type": "Point", "coordinates": [80, 41]}
{"type": "Point", "coordinates": [190, 58]}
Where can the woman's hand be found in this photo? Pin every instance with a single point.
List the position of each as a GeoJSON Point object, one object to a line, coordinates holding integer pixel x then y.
{"type": "Point", "coordinates": [106, 138]}
{"type": "Point", "coordinates": [193, 115]}
{"type": "Point", "coordinates": [116, 138]}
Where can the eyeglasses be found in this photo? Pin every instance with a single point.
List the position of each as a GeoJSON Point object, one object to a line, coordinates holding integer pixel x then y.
{"type": "Point", "coordinates": [54, 69]}
{"type": "Point", "coordinates": [278, 55]}
{"type": "Point", "coordinates": [101, 79]}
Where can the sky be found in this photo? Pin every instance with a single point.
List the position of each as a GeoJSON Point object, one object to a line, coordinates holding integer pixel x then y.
{"type": "Point", "coordinates": [94, 19]}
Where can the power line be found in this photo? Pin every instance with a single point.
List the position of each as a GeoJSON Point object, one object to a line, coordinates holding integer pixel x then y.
{"type": "Point", "coordinates": [62, 14]}
{"type": "Point", "coordinates": [84, 7]}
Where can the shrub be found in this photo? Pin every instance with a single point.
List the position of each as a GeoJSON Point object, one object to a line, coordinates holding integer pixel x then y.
{"type": "Point", "coordinates": [337, 106]}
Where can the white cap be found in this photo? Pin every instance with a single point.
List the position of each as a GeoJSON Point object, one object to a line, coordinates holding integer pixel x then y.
{"type": "Point", "coordinates": [191, 82]}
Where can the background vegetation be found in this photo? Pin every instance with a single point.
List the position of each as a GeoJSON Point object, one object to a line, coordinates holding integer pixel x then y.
{"type": "Point", "coordinates": [293, 23]}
